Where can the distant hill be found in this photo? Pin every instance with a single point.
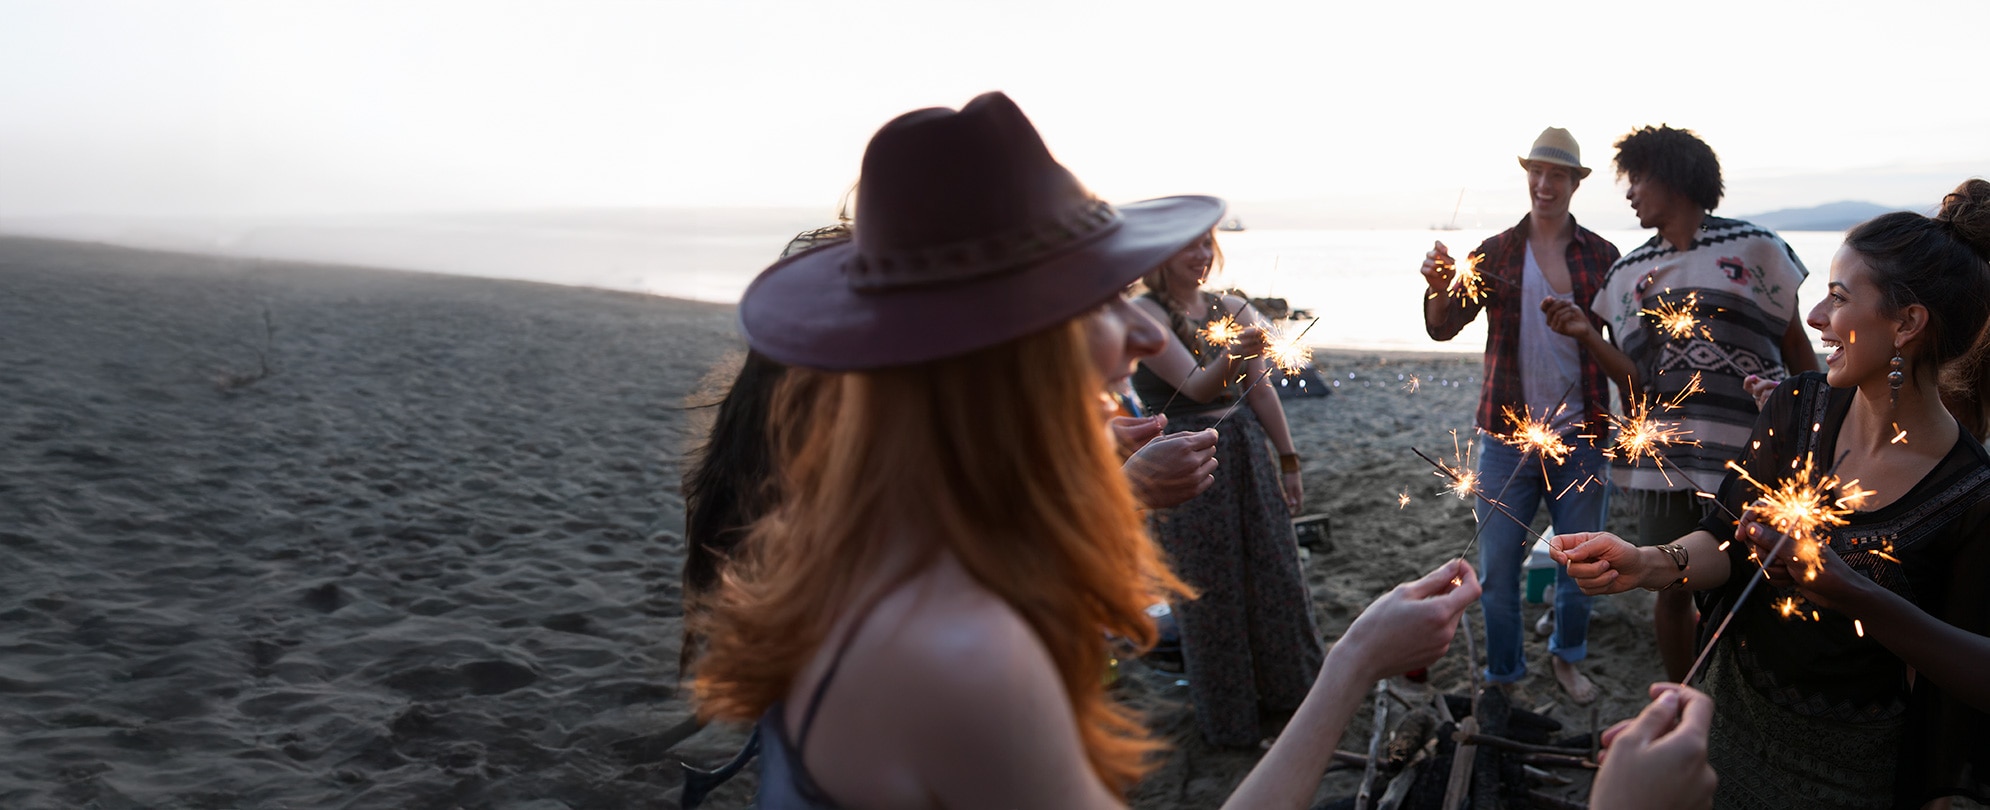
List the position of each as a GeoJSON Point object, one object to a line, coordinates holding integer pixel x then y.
{"type": "Point", "coordinates": [1835, 216]}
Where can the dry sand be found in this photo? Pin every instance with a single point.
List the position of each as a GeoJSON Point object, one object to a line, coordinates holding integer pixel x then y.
{"type": "Point", "coordinates": [431, 559]}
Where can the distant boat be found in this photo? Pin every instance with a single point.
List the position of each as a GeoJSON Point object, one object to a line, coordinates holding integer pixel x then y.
{"type": "Point", "coordinates": [1231, 224]}
{"type": "Point", "coordinates": [1454, 214]}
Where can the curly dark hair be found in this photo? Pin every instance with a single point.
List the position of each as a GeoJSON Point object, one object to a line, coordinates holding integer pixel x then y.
{"type": "Point", "coordinates": [1677, 159]}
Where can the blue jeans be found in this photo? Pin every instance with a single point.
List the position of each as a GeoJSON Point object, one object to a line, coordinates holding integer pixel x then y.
{"type": "Point", "coordinates": [1503, 545]}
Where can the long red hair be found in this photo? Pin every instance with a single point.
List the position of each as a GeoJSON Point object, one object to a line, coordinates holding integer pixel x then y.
{"type": "Point", "coordinates": [998, 457]}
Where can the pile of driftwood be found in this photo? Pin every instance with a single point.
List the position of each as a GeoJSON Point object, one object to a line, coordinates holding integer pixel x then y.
{"type": "Point", "coordinates": [1449, 752]}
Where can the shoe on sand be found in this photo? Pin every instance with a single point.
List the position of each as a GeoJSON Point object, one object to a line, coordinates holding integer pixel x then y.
{"type": "Point", "coordinates": [1545, 626]}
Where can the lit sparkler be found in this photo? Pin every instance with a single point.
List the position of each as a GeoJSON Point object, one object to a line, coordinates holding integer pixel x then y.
{"type": "Point", "coordinates": [1288, 353]}
{"type": "Point", "coordinates": [1285, 353]}
{"type": "Point", "coordinates": [1802, 508]}
{"type": "Point", "coordinates": [1679, 321]}
{"type": "Point", "coordinates": [1222, 331]}
{"type": "Point", "coordinates": [1465, 484]}
{"type": "Point", "coordinates": [1468, 284]}
{"type": "Point", "coordinates": [1532, 435]}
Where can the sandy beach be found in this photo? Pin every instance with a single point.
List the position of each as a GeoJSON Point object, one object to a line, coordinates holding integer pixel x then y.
{"type": "Point", "coordinates": [287, 535]}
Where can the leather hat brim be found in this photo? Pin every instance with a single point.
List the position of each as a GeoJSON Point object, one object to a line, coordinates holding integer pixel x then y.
{"type": "Point", "coordinates": [802, 311]}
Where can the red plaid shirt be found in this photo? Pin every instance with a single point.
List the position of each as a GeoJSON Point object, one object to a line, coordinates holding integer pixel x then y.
{"type": "Point", "coordinates": [1589, 258]}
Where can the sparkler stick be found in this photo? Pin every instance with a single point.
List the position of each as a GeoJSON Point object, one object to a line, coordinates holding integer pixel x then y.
{"type": "Point", "coordinates": [1564, 449]}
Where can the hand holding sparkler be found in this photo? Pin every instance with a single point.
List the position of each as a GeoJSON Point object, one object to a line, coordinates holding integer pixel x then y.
{"type": "Point", "coordinates": [1569, 319]}
{"type": "Point", "coordinates": [1659, 758]}
{"type": "Point", "coordinates": [1825, 579]}
{"type": "Point", "coordinates": [1409, 627]}
{"type": "Point", "coordinates": [1603, 563]}
{"type": "Point", "coordinates": [1437, 267]}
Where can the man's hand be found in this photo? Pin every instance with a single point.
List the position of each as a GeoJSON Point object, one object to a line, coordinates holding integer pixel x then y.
{"type": "Point", "coordinates": [1173, 468]}
{"type": "Point", "coordinates": [1438, 267]}
{"type": "Point", "coordinates": [1659, 758]}
{"type": "Point", "coordinates": [1566, 318]}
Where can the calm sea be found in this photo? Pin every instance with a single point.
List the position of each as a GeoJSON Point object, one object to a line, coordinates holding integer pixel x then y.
{"type": "Point", "coordinates": [1362, 284]}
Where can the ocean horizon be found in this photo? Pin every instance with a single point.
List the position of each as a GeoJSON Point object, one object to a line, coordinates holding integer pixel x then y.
{"type": "Point", "coordinates": [1363, 285]}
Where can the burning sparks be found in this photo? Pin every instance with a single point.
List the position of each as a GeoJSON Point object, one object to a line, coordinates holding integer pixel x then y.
{"type": "Point", "coordinates": [1403, 499]}
{"type": "Point", "coordinates": [1531, 435]}
{"type": "Point", "coordinates": [1679, 321]}
{"type": "Point", "coordinates": [1287, 352]}
{"type": "Point", "coordinates": [1222, 331]}
{"type": "Point", "coordinates": [1803, 508]}
{"type": "Point", "coordinates": [1639, 435]}
{"type": "Point", "coordinates": [1859, 627]}
{"type": "Point", "coordinates": [1413, 384]}
{"type": "Point", "coordinates": [1468, 284]}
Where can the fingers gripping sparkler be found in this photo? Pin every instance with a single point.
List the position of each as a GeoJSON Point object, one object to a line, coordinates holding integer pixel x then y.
{"type": "Point", "coordinates": [1803, 508]}
{"type": "Point", "coordinates": [1281, 353]}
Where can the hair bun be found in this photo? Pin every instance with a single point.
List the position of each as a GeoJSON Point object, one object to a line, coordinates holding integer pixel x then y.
{"type": "Point", "coordinates": [1966, 211]}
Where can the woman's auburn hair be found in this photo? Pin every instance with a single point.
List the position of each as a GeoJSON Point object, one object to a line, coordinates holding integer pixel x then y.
{"type": "Point", "coordinates": [998, 457]}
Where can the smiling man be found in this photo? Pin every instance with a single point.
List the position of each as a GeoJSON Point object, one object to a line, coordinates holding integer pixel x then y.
{"type": "Point", "coordinates": [1729, 289]}
{"type": "Point", "coordinates": [1533, 372]}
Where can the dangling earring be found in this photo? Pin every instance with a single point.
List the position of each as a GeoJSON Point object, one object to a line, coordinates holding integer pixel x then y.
{"type": "Point", "coordinates": [1893, 379]}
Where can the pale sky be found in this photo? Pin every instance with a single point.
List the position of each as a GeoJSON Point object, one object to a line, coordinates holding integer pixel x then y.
{"type": "Point", "coordinates": [1370, 114]}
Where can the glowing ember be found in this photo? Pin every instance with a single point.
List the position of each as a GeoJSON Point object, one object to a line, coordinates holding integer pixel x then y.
{"type": "Point", "coordinates": [1403, 499]}
{"type": "Point", "coordinates": [1677, 320]}
{"type": "Point", "coordinates": [1787, 606]}
{"type": "Point", "coordinates": [1859, 627]}
{"type": "Point", "coordinates": [1805, 507]}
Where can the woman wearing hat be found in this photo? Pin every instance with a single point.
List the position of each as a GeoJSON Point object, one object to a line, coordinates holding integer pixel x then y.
{"type": "Point", "coordinates": [919, 623]}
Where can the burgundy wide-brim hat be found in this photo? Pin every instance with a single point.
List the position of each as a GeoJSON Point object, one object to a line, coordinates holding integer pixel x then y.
{"type": "Point", "coordinates": [968, 234]}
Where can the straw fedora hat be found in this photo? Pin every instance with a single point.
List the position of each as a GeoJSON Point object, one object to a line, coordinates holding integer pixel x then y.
{"type": "Point", "coordinates": [968, 234]}
{"type": "Point", "coordinates": [1557, 146]}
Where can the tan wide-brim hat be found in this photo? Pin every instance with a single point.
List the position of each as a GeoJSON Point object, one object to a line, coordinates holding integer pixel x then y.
{"type": "Point", "coordinates": [968, 234]}
{"type": "Point", "coordinates": [1557, 146]}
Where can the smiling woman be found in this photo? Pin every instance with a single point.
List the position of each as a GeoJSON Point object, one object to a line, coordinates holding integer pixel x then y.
{"type": "Point", "coordinates": [1857, 683]}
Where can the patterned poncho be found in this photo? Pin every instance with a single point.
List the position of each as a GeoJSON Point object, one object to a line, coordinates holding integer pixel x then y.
{"type": "Point", "coordinates": [1738, 283]}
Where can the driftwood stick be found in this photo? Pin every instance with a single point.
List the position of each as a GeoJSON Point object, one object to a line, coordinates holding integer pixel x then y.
{"type": "Point", "coordinates": [1347, 758]}
{"type": "Point", "coordinates": [1558, 761]}
{"type": "Point", "coordinates": [1513, 745]}
{"type": "Point", "coordinates": [1381, 718]}
{"type": "Point", "coordinates": [1399, 787]}
{"type": "Point", "coordinates": [1460, 785]}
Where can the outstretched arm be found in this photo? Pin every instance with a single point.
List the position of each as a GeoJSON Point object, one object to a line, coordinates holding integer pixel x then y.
{"type": "Point", "coordinates": [1406, 628]}
{"type": "Point", "coordinates": [1444, 315]}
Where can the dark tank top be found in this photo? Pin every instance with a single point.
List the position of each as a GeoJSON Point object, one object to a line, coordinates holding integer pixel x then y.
{"type": "Point", "coordinates": [1155, 394]}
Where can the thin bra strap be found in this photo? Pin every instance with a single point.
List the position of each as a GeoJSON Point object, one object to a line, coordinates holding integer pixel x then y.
{"type": "Point", "coordinates": [822, 687]}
